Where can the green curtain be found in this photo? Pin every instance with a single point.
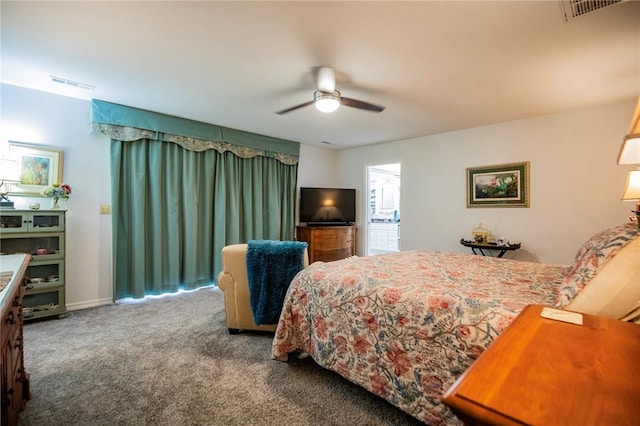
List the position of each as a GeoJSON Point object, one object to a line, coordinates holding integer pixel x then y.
{"type": "Point", "coordinates": [174, 210]}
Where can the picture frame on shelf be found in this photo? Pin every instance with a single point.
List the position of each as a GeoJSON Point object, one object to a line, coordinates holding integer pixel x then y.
{"type": "Point", "coordinates": [499, 185]}
{"type": "Point", "coordinates": [39, 166]}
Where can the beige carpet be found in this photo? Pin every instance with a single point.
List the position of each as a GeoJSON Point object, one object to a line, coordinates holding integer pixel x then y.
{"type": "Point", "coordinates": [171, 361]}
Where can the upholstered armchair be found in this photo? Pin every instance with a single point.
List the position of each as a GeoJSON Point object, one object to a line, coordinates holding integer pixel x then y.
{"type": "Point", "coordinates": [233, 280]}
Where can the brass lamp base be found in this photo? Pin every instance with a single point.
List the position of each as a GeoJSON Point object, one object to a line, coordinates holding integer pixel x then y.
{"type": "Point", "coordinates": [636, 217]}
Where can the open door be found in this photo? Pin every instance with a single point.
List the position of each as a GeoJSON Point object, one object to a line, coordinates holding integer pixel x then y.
{"type": "Point", "coordinates": [383, 209]}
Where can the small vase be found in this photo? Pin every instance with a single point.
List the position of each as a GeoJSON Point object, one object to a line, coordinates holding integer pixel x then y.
{"type": "Point", "coordinates": [55, 205]}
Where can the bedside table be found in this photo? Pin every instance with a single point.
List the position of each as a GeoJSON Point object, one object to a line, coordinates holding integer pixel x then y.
{"type": "Point", "coordinates": [541, 371]}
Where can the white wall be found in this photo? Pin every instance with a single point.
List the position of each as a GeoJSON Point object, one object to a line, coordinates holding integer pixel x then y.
{"type": "Point", "coordinates": [317, 167]}
{"type": "Point", "coordinates": [63, 122]}
{"type": "Point", "coordinates": [576, 184]}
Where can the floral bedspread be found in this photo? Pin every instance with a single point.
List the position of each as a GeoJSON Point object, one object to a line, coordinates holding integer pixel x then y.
{"type": "Point", "coordinates": [406, 325]}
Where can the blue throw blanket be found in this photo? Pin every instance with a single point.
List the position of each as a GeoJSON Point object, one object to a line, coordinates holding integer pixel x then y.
{"type": "Point", "coordinates": [271, 265]}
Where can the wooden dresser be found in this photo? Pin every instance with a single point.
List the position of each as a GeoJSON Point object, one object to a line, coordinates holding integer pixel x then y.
{"type": "Point", "coordinates": [328, 243]}
{"type": "Point", "coordinates": [542, 371]}
{"type": "Point", "coordinates": [14, 380]}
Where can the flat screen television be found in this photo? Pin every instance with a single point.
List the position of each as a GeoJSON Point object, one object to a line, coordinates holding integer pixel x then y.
{"type": "Point", "coordinates": [327, 206]}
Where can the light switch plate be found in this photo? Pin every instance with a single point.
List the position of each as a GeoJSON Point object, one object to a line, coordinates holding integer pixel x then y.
{"type": "Point", "coordinates": [105, 209]}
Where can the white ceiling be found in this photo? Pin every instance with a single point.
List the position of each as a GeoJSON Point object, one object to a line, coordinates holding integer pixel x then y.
{"type": "Point", "coordinates": [436, 66]}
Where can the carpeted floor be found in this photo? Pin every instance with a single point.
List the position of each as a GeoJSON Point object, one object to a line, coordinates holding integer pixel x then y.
{"type": "Point", "coordinates": [171, 361]}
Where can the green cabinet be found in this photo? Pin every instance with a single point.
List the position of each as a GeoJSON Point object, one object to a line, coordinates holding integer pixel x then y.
{"type": "Point", "coordinates": [41, 234]}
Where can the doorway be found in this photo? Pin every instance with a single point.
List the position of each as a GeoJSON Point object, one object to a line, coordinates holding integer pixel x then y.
{"type": "Point", "coordinates": [383, 209]}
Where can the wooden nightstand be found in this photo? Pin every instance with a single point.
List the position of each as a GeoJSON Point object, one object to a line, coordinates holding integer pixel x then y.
{"type": "Point", "coordinates": [548, 372]}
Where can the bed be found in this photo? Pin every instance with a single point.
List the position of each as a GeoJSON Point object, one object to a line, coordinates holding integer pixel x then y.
{"type": "Point", "coordinates": [406, 325]}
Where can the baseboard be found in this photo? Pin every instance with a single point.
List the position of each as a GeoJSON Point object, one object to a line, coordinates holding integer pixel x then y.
{"type": "Point", "coordinates": [88, 304]}
{"type": "Point", "coordinates": [102, 302]}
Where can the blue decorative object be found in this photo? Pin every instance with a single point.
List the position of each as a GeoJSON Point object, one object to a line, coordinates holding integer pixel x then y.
{"type": "Point", "coordinates": [271, 265]}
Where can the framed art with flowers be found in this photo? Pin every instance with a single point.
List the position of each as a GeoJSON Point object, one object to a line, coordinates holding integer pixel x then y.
{"type": "Point", "coordinates": [501, 185]}
{"type": "Point", "coordinates": [39, 167]}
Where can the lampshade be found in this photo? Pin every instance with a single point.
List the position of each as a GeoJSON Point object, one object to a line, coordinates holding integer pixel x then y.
{"type": "Point", "coordinates": [630, 151]}
{"type": "Point", "coordinates": [327, 102]}
{"type": "Point", "coordinates": [632, 189]}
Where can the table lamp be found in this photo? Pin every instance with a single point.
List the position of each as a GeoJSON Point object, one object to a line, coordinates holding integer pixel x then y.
{"type": "Point", "coordinates": [630, 154]}
{"type": "Point", "coordinates": [8, 175]}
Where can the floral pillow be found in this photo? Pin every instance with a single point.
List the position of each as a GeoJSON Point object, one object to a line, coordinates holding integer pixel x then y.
{"type": "Point", "coordinates": [592, 257]}
{"type": "Point", "coordinates": [588, 245]}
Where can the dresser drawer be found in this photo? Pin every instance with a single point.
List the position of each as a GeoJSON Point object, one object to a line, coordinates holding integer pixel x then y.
{"type": "Point", "coordinates": [11, 319]}
{"type": "Point", "coordinates": [332, 232]}
{"type": "Point", "coordinates": [13, 349]}
{"type": "Point", "coordinates": [329, 243]}
{"type": "Point", "coordinates": [331, 255]}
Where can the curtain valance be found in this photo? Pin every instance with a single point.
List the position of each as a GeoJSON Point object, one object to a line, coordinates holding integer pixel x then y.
{"type": "Point", "coordinates": [125, 123]}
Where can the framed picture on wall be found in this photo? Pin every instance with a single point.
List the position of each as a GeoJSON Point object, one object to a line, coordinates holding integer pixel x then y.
{"type": "Point", "coordinates": [39, 166]}
{"type": "Point", "coordinates": [501, 185]}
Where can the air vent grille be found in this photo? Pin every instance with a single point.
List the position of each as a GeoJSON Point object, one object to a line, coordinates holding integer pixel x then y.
{"type": "Point", "coordinates": [72, 83]}
{"type": "Point", "coordinates": [572, 9]}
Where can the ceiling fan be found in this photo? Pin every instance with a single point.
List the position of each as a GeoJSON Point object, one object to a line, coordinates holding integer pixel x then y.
{"type": "Point", "coordinates": [328, 99]}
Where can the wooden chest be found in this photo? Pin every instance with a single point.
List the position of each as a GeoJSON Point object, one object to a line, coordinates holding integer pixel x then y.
{"type": "Point", "coordinates": [328, 243]}
{"type": "Point", "coordinates": [14, 380]}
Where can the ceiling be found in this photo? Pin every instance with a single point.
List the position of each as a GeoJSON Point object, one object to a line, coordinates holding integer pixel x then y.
{"type": "Point", "coordinates": [436, 66]}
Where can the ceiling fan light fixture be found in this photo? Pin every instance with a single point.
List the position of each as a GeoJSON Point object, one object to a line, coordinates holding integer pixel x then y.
{"type": "Point", "coordinates": [325, 101]}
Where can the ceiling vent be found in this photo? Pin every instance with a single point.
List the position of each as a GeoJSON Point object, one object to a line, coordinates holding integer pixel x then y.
{"type": "Point", "coordinates": [572, 9]}
{"type": "Point", "coordinates": [72, 83]}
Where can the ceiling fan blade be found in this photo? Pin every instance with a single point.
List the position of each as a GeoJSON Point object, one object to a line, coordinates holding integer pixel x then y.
{"type": "Point", "coordinates": [284, 111]}
{"type": "Point", "coordinates": [360, 104]}
{"type": "Point", "coordinates": [326, 79]}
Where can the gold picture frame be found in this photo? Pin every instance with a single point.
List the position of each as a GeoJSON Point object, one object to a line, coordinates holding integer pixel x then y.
{"type": "Point", "coordinates": [39, 166]}
{"type": "Point", "coordinates": [500, 185]}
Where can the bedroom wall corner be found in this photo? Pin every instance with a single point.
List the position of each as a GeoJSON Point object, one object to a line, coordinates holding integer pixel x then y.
{"type": "Point", "coordinates": [64, 122]}
{"type": "Point", "coordinates": [317, 167]}
{"type": "Point", "coordinates": [576, 184]}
